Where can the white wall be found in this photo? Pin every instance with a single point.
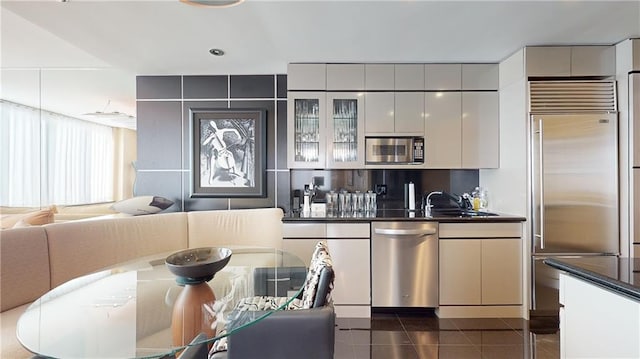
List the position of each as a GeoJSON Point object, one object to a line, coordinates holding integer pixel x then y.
{"type": "Point", "coordinates": [508, 185]}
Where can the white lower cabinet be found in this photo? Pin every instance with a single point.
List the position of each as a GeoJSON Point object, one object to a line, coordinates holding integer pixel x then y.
{"type": "Point", "coordinates": [480, 267]}
{"type": "Point", "coordinates": [596, 322]}
{"type": "Point", "coordinates": [349, 246]}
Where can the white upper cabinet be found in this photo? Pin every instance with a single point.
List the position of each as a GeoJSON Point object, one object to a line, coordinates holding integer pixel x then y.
{"type": "Point", "coordinates": [345, 77]}
{"type": "Point", "coordinates": [306, 126]}
{"type": "Point", "coordinates": [440, 77]}
{"type": "Point", "coordinates": [345, 130]}
{"type": "Point", "coordinates": [565, 61]}
{"type": "Point", "coordinates": [480, 77]}
{"type": "Point", "coordinates": [409, 113]}
{"type": "Point", "coordinates": [307, 77]}
{"type": "Point", "coordinates": [593, 61]}
{"type": "Point", "coordinates": [409, 77]}
{"type": "Point", "coordinates": [443, 130]}
{"type": "Point", "coordinates": [548, 61]}
{"type": "Point", "coordinates": [480, 130]}
{"type": "Point", "coordinates": [379, 110]}
{"type": "Point", "coordinates": [379, 77]}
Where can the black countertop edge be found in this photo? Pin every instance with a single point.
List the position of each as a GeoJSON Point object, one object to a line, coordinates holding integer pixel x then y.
{"type": "Point", "coordinates": [611, 283]}
{"type": "Point", "coordinates": [418, 217]}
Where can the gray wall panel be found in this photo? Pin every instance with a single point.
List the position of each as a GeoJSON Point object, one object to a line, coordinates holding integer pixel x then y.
{"type": "Point", "coordinates": [252, 86]}
{"type": "Point", "coordinates": [206, 87]}
{"type": "Point", "coordinates": [159, 135]}
{"type": "Point", "coordinates": [158, 87]}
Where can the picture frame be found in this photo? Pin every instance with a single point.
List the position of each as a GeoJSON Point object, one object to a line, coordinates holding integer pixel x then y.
{"type": "Point", "coordinates": [228, 152]}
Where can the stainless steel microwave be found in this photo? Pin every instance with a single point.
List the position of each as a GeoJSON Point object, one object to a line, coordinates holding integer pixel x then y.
{"type": "Point", "coordinates": [394, 150]}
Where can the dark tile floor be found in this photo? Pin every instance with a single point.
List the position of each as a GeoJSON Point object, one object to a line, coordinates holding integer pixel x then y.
{"type": "Point", "coordinates": [422, 336]}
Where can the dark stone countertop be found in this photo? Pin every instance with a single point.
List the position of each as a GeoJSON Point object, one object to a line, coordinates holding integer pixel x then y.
{"type": "Point", "coordinates": [400, 215]}
{"type": "Point", "coordinates": [621, 275]}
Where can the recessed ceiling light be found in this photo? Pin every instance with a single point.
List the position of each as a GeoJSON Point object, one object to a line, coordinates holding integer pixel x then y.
{"type": "Point", "coordinates": [216, 52]}
{"type": "Point", "coordinates": [213, 3]}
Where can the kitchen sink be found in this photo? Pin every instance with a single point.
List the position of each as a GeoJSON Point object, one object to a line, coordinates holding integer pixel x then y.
{"type": "Point", "coordinates": [459, 212]}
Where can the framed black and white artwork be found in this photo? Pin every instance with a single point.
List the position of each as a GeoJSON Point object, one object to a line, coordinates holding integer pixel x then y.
{"type": "Point", "coordinates": [228, 152]}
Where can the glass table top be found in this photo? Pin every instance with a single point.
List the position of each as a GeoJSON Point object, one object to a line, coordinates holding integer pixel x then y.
{"type": "Point", "coordinates": [126, 311]}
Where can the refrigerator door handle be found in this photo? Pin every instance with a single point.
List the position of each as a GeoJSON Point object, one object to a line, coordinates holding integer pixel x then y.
{"type": "Point", "coordinates": [541, 179]}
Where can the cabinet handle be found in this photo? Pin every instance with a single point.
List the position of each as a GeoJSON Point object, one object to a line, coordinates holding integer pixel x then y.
{"type": "Point", "coordinates": [541, 179]}
{"type": "Point", "coordinates": [405, 232]}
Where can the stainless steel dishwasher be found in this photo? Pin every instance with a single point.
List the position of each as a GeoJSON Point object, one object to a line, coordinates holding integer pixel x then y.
{"type": "Point", "coordinates": [404, 264]}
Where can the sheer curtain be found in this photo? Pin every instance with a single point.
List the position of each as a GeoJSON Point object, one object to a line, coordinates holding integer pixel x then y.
{"type": "Point", "coordinates": [49, 158]}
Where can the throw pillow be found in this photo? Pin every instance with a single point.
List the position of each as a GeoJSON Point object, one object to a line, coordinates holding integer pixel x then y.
{"type": "Point", "coordinates": [320, 259]}
{"type": "Point", "coordinates": [142, 205]}
{"type": "Point", "coordinates": [34, 218]}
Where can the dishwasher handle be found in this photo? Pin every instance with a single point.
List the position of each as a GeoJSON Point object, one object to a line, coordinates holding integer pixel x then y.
{"type": "Point", "coordinates": [405, 232]}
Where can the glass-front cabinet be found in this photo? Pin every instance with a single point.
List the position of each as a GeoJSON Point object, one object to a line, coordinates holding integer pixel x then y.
{"type": "Point", "coordinates": [325, 130]}
{"type": "Point", "coordinates": [306, 129]}
{"type": "Point", "coordinates": [345, 130]}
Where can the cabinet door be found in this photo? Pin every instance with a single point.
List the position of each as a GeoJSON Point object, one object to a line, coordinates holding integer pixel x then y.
{"type": "Point", "coordinates": [480, 77]}
{"type": "Point", "coordinates": [345, 77]}
{"type": "Point", "coordinates": [379, 113]}
{"type": "Point", "coordinates": [593, 61]}
{"type": "Point", "coordinates": [302, 248]}
{"type": "Point", "coordinates": [351, 263]}
{"type": "Point", "coordinates": [409, 77]}
{"type": "Point", "coordinates": [306, 126]}
{"type": "Point", "coordinates": [409, 113]}
{"type": "Point", "coordinates": [502, 271]}
{"type": "Point", "coordinates": [548, 61]}
{"type": "Point", "coordinates": [379, 76]}
{"type": "Point", "coordinates": [308, 77]}
{"type": "Point", "coordinates": [460, 272]}
{"type": "Point", "coordinates": [345, 130]}
{"type": "Point", "coordinates": [443, 130]}
{"type": "Point", "coordinates": [440, 77]}
{"type": "Point", "coordinates": [480, 130]}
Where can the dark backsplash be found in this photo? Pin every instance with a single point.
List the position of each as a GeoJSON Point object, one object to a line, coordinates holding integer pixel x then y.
{"type": "Point", "coordinates": [425, 181]}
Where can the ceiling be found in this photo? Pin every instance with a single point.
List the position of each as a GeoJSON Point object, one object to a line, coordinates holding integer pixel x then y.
{"type": "Point", "coordinates": [108, 43]}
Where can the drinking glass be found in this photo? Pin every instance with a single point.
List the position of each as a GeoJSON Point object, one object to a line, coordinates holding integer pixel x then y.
{"type": "Point", "coordinates": [370, 202]}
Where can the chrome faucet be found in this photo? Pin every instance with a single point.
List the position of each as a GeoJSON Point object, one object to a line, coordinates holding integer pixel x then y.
{"type": "Point", "coordinates": [428, 205]}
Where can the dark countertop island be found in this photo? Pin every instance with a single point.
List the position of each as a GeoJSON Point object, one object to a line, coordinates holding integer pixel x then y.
{"type": "Point", "coordinates": [621, 275]}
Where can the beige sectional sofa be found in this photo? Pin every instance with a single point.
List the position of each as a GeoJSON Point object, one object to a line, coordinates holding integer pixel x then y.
{"type": "Point", "coordinates": [35, 259]}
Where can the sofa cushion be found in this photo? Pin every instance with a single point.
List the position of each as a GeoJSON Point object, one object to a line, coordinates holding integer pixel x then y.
{"type": "Point", "coordinates": [81, 247]}
{"type": "Point", "coordinates": [24, 266]}
{"type": "Point", "coordinates": [240, 227]}
{"type": "Point", "coordinates": [11, 347]}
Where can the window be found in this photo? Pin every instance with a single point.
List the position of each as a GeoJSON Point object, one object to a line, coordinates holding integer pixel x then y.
{"type": "Point", "coordinates": [48, 158]}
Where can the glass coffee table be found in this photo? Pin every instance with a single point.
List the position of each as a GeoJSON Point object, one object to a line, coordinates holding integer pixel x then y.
{"type": "Point", "coordinates": [126, 311]}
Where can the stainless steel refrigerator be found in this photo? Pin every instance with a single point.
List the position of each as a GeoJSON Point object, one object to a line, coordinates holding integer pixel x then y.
{"type": "Point", "coordinates": [574, 177]}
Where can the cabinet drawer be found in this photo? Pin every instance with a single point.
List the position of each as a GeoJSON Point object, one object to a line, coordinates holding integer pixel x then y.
{"type": "Point", "coordinates": [480, 230]}
{"type": "Point", "coordinates": [348, 230]}
{"type": "Point", "coordinates": [304, 230]}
